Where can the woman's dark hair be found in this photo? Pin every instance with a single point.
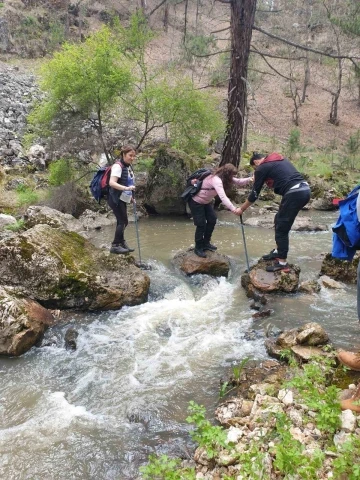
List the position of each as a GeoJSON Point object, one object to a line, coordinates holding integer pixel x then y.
{"type": "Point", "coordinates": [226, 173]}
{"type": "Point", "coordinates": [256, 156]}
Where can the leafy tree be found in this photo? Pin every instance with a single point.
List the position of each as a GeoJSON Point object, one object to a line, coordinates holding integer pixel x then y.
{"type": "Point", "coordinates": [84, 80]}
{"type": "Point", "coordinates": [164, 100]}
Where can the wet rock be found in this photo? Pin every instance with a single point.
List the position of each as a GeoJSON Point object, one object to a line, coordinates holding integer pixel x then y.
{"type": "Point", "coordinates": [91, 220]}
{"type": "Point", "coordinates": [310, 286]}
{"type": "Point", "coordinates": [312, 334]}
{"type": "Point", "coordinates": [164, 332]}
{"type": "Point", "coordinates": [272, 349]}
{"type": "Point", "coordinates": [272, 331]}
{"type": "Point", "coordinates": [22, 323]}
{"type": "Point", "coordinates": [331, 283]}
{"type": "Point", "coordinates": [259, 280]}
{"type": "Point", "coordinates": [304, 354]}
{"type": "Point", "coordinates": [62, 270]}
{"type": "Point", "coordinates": [340, 270]}
{"type": "Point", "coordinates": [214, 264]}
{"type": "Point", "coordinates": [70, 338]}
{"type": "Point", "coordinates": [265, 312]}
{"type": "Point", "coordinates": [252, 335]}
{"type": "Point", "coordinates": [287, 339]}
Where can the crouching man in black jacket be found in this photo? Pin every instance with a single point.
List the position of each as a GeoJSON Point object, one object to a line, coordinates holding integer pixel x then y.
{"type": "Point", "coordinates": [281, 175]}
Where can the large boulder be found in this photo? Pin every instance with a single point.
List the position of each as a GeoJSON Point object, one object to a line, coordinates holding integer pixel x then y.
{"type": "Point", "coordinates": [22, 323]}
{"type": "Point", "coordinates": [37, 214]}
{"type": "Point", "coordinates": [214, 264]}
{"type": "Point", "coordinates": [61, 269]}
{"type": "Point", "coordinates": [259, 280]}
{"type": "Point", "coordinates": [166, 182]}
{"type": "Point", "coordinates": [340, 270]}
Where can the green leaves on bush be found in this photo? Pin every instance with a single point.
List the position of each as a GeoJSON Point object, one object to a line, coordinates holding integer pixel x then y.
{"type": "Point", "coordinates": [26, 196]}
{"type": "Point", "coordinates": [61, 172]}
{"type": "Point", "coordinates": [165, 468]}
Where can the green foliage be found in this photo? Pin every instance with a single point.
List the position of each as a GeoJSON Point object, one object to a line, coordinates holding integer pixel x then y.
{"type": "Point", "coordinates": [252, 462]}
{"type": "Point", "coordinates": [310, 383]}
{"type": "Point", "coordinates": [347, 464]}
{"type": "Point", "coordinates": [220, 73]}
{"type": "Point", "coordinates": [15, 227]}
{"type": "Point", "coordinates": [56, 34]}
{"type": "Point", "coordinates": [61, 171]}
{"type": "Point", "coordinates": [352, 150]}
{"type": "Point", "coordinates": [223, 389]}
{"type": "Point", "coordinates": [289, 457]}
{"type": "Point", "coordinates": [238, 369]}
{"type": "Point", "coordinates": [143, 164]}
{"type": "Point", "coordinates": [29, 139]}
{"type": "Point", "coordinates": [1, 4]}
{"type": "Point", "coordinates": [294, 141]}
{"type": "Point", "coordinates": [165, 468]}
{"type": "Point", "coordinates": [26, 196]}
{"type": "Point", "coordinates": [198, 45]}
{"type": "Point", "coordinates": [205, 434]}
{"type": "Point", "coordinates": [84, 79]}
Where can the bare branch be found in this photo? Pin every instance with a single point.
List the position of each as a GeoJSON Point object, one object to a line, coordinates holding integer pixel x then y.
{"type": "Point", "coordinates": [302, 47]}
{"type": "Point", "coordinates": [224, 1]}
{"type": "Point", "coordinates": [276, 56]}
{"type": "Point", "coordinates": [221, 30]}
{"type": "Point", "coordinates": [155, 8]}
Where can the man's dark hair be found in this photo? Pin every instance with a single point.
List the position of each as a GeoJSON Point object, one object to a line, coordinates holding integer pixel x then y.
{"type": "Point", "coordinates": [256, 156]}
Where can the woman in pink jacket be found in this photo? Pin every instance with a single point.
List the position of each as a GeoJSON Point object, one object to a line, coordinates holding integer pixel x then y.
{"type": "Point", "coordinates": [201, 204]}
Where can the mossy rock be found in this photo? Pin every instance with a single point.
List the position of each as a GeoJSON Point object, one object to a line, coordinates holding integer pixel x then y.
{"type": "Point", "coordinates": [61, 269]}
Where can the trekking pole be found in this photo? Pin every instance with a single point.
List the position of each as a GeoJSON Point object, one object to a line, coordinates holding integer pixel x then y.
{"type": "Point", "coordinates": [243, 235]}
{"type": "Point", "coordinates": [137, 229]}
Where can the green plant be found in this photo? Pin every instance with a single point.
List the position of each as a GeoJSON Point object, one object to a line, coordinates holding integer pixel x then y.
{"type": "Point", "coordinates": [143, 164]}
{"type": "Point", "coordinates": [26, 196]}
{"type": "Point", "coordinates": [61, 171]}
{"type": "Point", "coordinates": [311, 384]}
{"type": "Point", "coordinates": [347, 464]}
{"type": "Point", "coordinates": [294, 141]}
{"type": "Point", "coordinates": [289, 453]}
{"type": "Point", "coordinates": [1, 4]}
{"type": "Point", "coordinates": [165, 468]}
{"type": "Point", "coordinates": [205, 434]}
{"type": "Point", "coordinates": [15, 227]}
{"type": "Point", "coordinates": [198, 45]}
{"type": "Point", "coordinates": [238, 369]}
{"type": "Point", "coordinates": [223, 389]}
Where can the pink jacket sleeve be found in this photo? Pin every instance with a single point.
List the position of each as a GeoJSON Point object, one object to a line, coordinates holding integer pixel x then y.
{"type": "Point", "coordinates": [218, 185]}
{"type": "Point", "coordinates": [241, 181]}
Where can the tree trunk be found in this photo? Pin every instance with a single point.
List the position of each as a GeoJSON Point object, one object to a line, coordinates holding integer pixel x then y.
{"type": "Point", "coordinates": [185, 24]}
{"type": "Point", "coordinates": [306, 78]}
{"type": "Point", "coordinates": [166, 17]}
{"type": "Point", "coordinates": [334, 116]}
{"type": "Point", "coordinates": [241, 23]}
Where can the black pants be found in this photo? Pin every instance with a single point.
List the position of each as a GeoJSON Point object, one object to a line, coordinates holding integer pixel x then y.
{"type": "Point", "coordinates": [291, 204]}
{"type": "Point", "coordinates": [120, 212]}
{"type": "Point", "coordinates": [205, 220]}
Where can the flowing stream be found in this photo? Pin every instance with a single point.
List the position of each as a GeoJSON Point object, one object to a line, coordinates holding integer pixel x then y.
{"type": "Point", "coordinates": [98, 412]}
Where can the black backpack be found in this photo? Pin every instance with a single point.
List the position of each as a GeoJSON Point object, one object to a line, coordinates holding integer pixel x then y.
{"type": "Point", "coordinates": [191, 189]}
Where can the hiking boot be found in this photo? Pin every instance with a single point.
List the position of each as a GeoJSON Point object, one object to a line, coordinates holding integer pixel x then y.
{"type": "Point", "coordinates": [200, 252]}
{"type": "Point", "coordinates": [277, 267]}
{"type": "Point", "coordinates": [351, 404]}
{"type": "Point", "coordinates": [350, 360]}
{"type": "Point", "coordinates": [118, 249]}
{"type": "Point", "coordinates": [126, 246]}
{"type": "Point", "coordinates": [210, 246]}
{"type": "Point", "coordinates": [272, 255]}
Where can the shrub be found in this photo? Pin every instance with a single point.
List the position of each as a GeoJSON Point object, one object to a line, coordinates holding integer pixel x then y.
{"type": "Point", "coordinates": [61, 172]}
{"type": "Point", "coordinates": [294, 141]}
{"type": "Point", "coordinates": [15, 227]}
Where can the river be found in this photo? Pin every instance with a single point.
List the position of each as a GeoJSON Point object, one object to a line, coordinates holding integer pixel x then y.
{"type": "Point", "coordinates": [98, 412]}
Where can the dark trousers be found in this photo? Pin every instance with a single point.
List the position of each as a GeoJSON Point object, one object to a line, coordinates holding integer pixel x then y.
{"type": "Point", "coordinates": [291, 204]}
{"type": "Point", "coordinates": [120, 212]}
{"type": "Point", "coordinates": [204, 218]}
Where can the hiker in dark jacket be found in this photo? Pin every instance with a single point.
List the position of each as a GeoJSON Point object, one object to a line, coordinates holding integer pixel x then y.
{"type": "Point", "coordinates": [278, 173]}
{"type": "Point", "coordinates": [121, 187]}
